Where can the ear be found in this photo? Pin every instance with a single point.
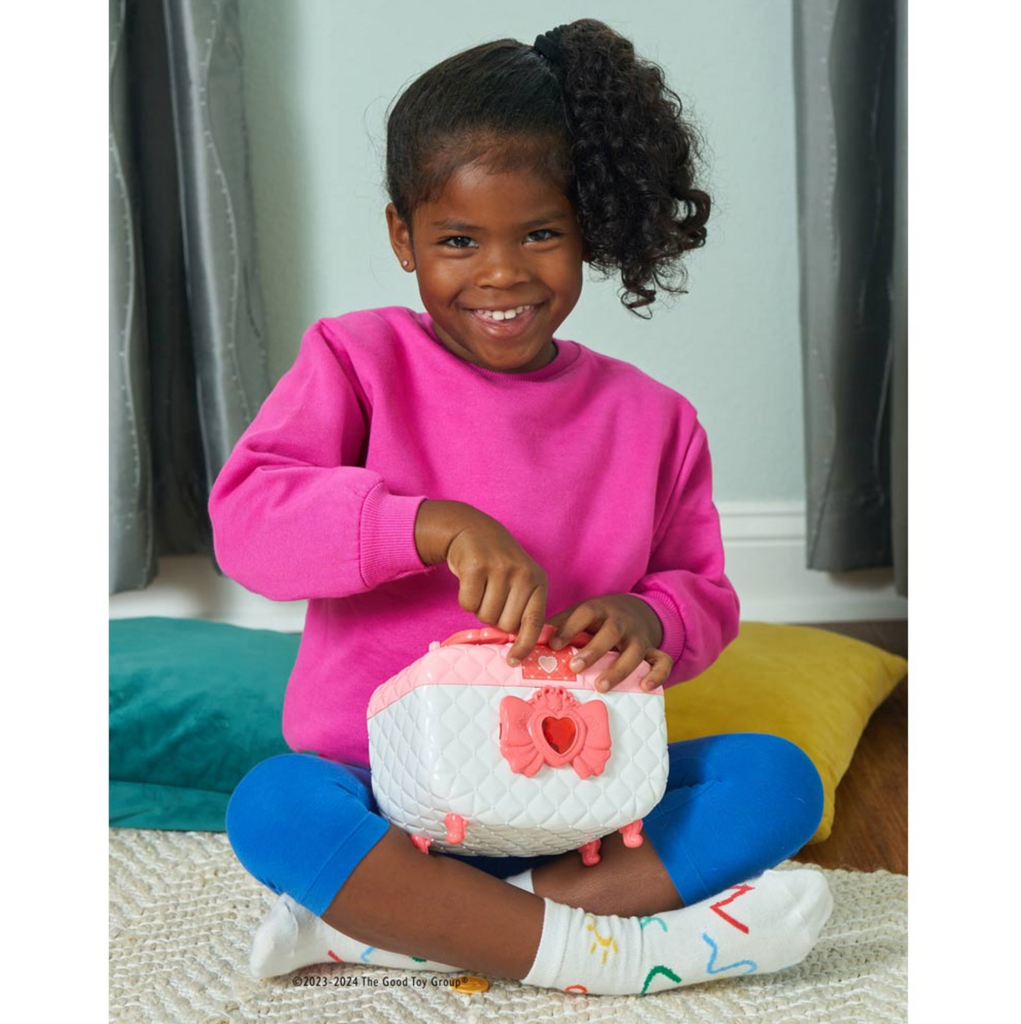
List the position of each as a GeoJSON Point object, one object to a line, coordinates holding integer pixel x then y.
{"type": "Point", "coordinates": [400, 238]}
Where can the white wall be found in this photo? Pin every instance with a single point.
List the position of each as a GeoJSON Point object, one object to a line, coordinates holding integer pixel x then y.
{"type": "Point", "coordinates": [319, 75]}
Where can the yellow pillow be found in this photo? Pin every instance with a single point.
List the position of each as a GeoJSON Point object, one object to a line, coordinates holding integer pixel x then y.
{"type": "Point", "coordinates": [812, 687]}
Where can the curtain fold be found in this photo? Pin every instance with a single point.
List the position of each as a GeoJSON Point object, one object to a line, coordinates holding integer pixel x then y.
{"type": "Point", "coordinates": [849, 85]}
{"type": "Point", "coordinates": [188, 367]}
{"type": "Point", "coordinates": [899, 457]}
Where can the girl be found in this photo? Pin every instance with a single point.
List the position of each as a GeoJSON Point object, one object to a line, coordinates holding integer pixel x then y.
{"type": "Point", "coordinates": [416, 473]}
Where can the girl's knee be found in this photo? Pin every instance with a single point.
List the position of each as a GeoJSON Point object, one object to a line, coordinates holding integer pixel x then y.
{"type": "Point", "coordinates": [275, 807]}
{"type": "Point", "coordinates": [260, 789]}
{"type": "Point", "coordinates": [257, 813]}
{"type": "Point", "coordinates": [795, 784]}
{"type": "Point", "coordinates": [294, 816]}
{"type": "Point", "coordinates": [773, 781]}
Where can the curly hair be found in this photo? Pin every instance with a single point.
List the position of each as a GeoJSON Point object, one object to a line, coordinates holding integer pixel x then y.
{"type": "Point", "coordinates": [600, 123]}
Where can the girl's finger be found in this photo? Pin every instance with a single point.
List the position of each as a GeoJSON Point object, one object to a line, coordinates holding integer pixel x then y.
{"type": "Point", "coordinates": [576, 622]}
{"type": "Point", "coordinates": [471, 590]}
{"type": "Point", "coordinates": [532, 621]}
{"type": "Point", "coordinates": [661, 663]}
{"type": "Point", "coordinates": [493, 600]}
{"type": "Point", "coordinates": [602, 643]}
{"type": "Point", "coordinates": [517, 598]}
{"type": "Point", "coordinates": [629, 660]}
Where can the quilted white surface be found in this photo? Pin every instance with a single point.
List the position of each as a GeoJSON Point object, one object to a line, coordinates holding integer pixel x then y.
{"type": "Point", "coordinates": [437, 750]}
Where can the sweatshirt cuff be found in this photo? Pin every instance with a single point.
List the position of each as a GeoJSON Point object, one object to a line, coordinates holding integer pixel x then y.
{"type": "Point", "coordinates": [387, 537]}
{"type": "Point", "coordinates": [675, 635]}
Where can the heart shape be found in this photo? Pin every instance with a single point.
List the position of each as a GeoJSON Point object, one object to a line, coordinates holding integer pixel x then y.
{"type": "Point", "coordinates": [559, 733]}
{"type": "Point", "coordinates": [548, 663]}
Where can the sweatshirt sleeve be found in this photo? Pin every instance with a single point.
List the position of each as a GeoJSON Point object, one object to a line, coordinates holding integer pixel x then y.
{"type": "Point", "coordinates": [686, 585]}
{"type": "Point", "coordinates": [294, 514]}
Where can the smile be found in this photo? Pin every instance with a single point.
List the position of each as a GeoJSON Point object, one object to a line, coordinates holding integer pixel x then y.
{"type": "Point", "coordinates": [504, 322]}
{"type": "Point", "coordinates": [503, 314]}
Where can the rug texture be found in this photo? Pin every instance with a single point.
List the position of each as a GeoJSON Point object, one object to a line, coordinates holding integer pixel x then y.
{"type": "Point", "coordinates": [183, 912]}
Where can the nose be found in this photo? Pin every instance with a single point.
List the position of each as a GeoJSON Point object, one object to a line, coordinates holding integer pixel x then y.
{"type": "Point", "coordinates": [502, 266]}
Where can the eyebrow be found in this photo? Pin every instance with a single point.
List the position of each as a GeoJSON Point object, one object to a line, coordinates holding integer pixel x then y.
{"type": "Point", "coordinates": [551, 217]}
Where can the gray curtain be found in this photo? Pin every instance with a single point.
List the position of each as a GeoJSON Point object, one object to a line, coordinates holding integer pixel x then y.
{"type": "Point", "coordinates": [849, 74]}
{"type": "Point", "coordinates": [188, 365]}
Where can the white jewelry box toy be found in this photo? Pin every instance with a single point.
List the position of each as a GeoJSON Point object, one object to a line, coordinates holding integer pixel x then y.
{"type": "Point", "coordinates": [471, 756]}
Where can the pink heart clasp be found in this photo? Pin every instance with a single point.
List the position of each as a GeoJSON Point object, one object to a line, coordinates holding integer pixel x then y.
{"type": "Point", "coordinates": [554, 728]}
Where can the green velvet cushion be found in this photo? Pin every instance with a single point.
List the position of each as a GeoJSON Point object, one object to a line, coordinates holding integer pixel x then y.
{"type": "Point", "coordinates": [193, 706]}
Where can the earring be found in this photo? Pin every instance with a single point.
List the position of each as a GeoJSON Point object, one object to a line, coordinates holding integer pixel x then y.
{"type": "Point", "coordinates": [405, 262]}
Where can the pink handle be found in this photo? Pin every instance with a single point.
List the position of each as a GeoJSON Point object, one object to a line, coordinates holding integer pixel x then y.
{"type": "Point", "coordinates": [492, 635]}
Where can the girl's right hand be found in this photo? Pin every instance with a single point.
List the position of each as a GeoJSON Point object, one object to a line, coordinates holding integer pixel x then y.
{"type": "Point", "coordinates": [501, 584]}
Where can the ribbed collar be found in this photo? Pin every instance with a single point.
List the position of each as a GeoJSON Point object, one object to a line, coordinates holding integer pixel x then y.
{"type": "Point", "coordinates": [568, 354]}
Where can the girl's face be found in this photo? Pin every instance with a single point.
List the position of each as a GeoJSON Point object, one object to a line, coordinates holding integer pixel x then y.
{"type": "Point", "coordinates": [495, 242]}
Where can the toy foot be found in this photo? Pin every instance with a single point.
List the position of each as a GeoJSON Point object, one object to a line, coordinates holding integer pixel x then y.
{"type": "Point", "coordinates": [422, 842]}
{"type": "Point", "coordinates": [632, 834]}
{"type": "Point", "coordinates": [455, 827]}
{"type": "Point", "coordinates": [590, 852]}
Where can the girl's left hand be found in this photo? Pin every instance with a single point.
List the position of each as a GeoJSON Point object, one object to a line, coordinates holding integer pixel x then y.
{"type": "Point", "coordinates": [620, 621]}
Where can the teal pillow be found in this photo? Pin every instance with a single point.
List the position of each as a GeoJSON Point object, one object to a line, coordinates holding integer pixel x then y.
{"type": "Point", "coordinates": [193, 706]}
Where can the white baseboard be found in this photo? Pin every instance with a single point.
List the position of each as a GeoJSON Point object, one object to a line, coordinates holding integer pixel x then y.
{"type": "Point", "coordinates": [188, 587]}
{"type": "Point", "coordinates": [765, 544]}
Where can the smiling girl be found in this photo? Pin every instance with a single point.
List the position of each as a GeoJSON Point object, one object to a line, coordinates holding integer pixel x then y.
{"type": "Point", "coordinates": [416, 473]}
{"type": "Point", "coordinates": [499, 265]}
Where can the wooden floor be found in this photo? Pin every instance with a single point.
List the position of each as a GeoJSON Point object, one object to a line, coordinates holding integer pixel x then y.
{"type": "Point", "coordinates": [870, 827]}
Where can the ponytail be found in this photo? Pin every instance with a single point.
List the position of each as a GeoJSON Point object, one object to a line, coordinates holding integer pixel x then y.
{"type": "Point", "coordinates": [634, 162]}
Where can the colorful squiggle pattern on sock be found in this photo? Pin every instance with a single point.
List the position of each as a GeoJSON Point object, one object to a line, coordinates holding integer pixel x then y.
{"type": "Point", "coordinates": [739, 890]}
{"type": "Point", "coordinates": [643, 921]}
{"type": "Point", "coordinates": [712, 969]}
{"type": "Point", "coordinates": [609, 943]}
{"type": "Point", "coordinates": [659, 969]}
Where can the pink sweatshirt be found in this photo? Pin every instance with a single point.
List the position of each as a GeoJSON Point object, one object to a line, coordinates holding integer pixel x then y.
{"type": "Point", "coordinates": [599, 471]}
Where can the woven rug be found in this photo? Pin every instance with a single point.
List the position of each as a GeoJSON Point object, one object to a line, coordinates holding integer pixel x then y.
{"type": "Point", "coordinates": [183, 912]}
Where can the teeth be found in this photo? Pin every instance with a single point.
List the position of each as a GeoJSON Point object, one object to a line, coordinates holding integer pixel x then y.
{"type": "Point", "coordinates": [497, 314]}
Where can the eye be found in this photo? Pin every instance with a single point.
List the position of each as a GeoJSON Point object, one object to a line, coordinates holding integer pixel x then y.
{"type": "Point", "coordinates": [545, 231]}
{"type": "Point", "coordinates": [455, 238]}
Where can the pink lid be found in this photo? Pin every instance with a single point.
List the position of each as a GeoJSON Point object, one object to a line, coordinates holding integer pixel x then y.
{"type": "Point", "coordinates": [486, 665]}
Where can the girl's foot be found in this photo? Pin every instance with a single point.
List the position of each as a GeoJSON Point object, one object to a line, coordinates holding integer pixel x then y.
{"type": "Point", "coordinates": [764, 925]}
{"type": "Point", "coordinates": [291, 937]}
{"type": "Point", "coordinates": [769, 923]}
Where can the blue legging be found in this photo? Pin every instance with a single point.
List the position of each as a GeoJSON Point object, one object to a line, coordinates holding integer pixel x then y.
{"type": "Point", "coordinates": [735, 805]}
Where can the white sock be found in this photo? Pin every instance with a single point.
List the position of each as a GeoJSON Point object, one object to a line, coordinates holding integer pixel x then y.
{"type": "Point", "coordinates": [291, 937]}
{"type": "Point", "coordinates": [522, 881]}
{"type": "Point", "coordinates": [764, 925]}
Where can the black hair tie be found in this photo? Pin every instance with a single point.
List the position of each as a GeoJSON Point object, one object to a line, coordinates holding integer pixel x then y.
{"type": "Point", "coordinates": [548, 44]}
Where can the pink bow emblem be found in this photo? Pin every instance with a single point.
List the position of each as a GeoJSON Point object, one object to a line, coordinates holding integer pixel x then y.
{"type": "Point", "coordinates": [553, 728]}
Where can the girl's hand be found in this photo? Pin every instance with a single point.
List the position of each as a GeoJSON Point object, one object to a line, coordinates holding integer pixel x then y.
{"type": "Point", "coordinates": [501, 584]}
{"type": "Point", "coordinates": [624, 622]}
